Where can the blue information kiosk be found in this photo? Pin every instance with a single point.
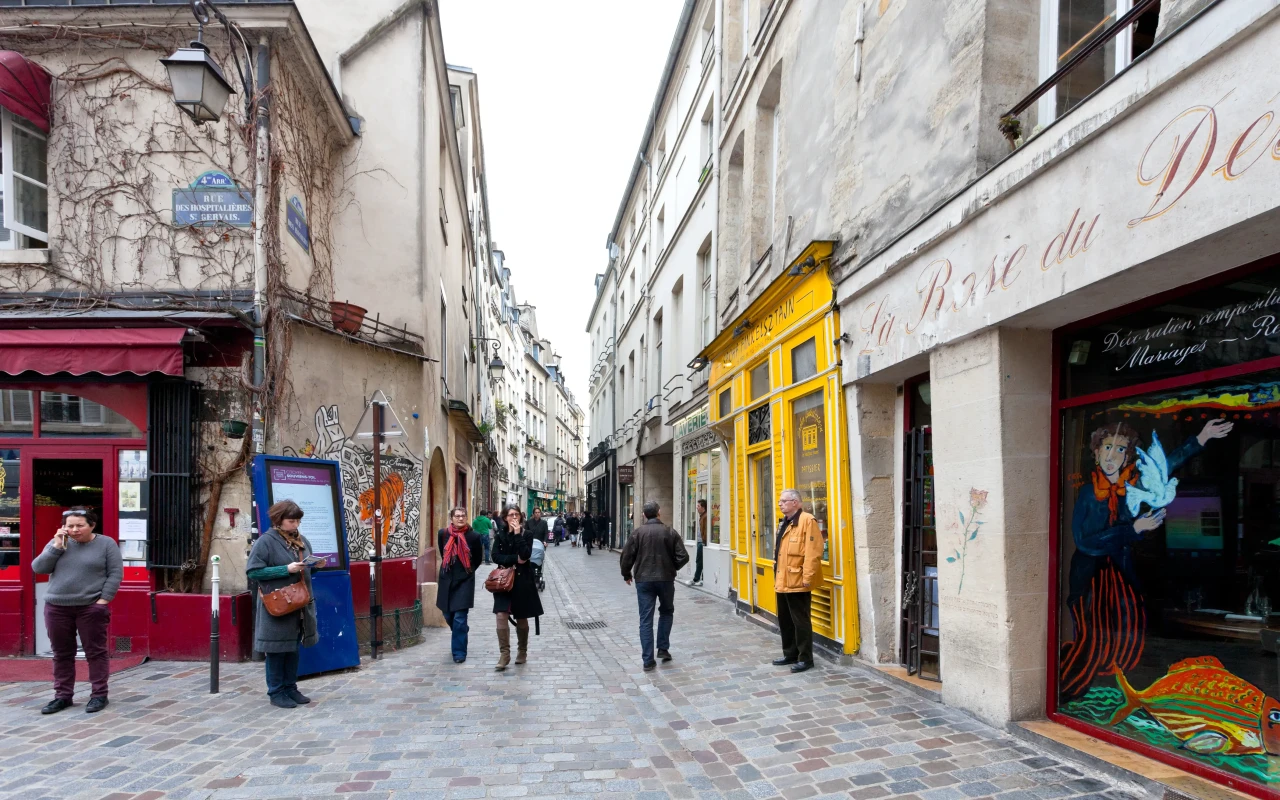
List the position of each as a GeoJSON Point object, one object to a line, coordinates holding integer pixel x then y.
{"type": "Point", "coordinates": [316, 486]}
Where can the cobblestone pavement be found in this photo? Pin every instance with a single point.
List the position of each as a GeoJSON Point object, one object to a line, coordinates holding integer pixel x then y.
{"type": "Point", "coordinates": [581, 719]}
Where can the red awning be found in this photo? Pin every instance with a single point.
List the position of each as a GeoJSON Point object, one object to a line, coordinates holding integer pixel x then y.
{"type": "Point", "coordinates": [24, 88]}
{"type": "Point", "coordinates": [85, 351]}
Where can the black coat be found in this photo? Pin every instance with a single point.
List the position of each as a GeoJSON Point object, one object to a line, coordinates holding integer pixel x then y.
{"type": "Point", "coordinates": [538, 527]}
{"type": "Point", "coordinates": [522, 601]}
{"type": "Point", "coordinates": [456, 587]}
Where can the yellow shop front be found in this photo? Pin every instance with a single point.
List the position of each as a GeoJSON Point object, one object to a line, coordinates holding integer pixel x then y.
{"type": "Point", "coordinates": [776, 400]}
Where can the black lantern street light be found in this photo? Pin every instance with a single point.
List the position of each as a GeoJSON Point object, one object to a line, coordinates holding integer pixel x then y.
{"type": "Point", "coordinates": [199, 87]}
{"type": "Point", "coordinates": [496, 366]}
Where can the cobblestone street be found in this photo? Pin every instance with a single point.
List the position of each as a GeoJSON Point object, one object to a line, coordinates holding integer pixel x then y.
{"type": "Point", "coordinates": [581, 719]}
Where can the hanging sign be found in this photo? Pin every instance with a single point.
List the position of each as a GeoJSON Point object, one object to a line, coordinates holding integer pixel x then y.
{"type": "Point", "coordinates": [627, 473]}
{"type": "Point", "coordinates": [296, 222]}
{"type": "Point", "coordinates": [212, 199]}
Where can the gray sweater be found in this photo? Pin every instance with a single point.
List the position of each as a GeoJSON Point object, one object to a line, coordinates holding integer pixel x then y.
{"type": "Point", "coordinates": [83, 573]}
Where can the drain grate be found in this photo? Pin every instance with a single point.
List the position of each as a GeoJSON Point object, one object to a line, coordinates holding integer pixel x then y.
{"type": "Point", "coordinates": [584, 625]}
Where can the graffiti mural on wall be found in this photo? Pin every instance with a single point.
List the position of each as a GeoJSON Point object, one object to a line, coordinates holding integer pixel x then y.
{"type": "Point", "coordinates": [401, 487]}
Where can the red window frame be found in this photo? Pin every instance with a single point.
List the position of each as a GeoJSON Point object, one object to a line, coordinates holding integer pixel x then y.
{"type": "Point", "coordinates": [1059, 406]}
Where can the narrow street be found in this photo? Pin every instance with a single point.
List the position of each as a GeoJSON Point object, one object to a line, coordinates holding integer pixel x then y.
{"type": "Point", "coordinates": [581, 719]}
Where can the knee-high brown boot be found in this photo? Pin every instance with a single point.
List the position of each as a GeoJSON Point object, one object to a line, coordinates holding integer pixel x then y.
{"type": "Point", "coordinates": [504, 643]}
{"type": "Point", "coordinates": [522, 640]}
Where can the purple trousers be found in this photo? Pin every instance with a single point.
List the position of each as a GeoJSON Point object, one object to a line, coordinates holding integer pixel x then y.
{"type": "Point", "coordinates": [62, 623]}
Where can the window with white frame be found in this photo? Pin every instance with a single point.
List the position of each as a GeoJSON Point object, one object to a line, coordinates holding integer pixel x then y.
{"type": "Point", "coordinates": [1066, 28]}
{"type": "Point", "coordinates": [24, 192]}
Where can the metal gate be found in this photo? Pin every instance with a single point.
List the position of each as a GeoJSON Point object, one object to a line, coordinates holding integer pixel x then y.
{"type": "Point", "coordinates": [920, 618]}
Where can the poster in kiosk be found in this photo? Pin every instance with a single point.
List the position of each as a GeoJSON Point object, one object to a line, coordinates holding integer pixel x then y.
{"type": "Point", "coordinates": [316, 486]}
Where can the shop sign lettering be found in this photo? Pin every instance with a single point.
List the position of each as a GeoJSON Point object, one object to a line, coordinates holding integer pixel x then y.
{"type": "Point", "coordinates": [212, 199]}
{"type": "Point", "coordinates": [698, 419]}
{"type": "Point", "coordinates": [1186, 153]}
{"type": "Point", "coordinates": [786, 313]}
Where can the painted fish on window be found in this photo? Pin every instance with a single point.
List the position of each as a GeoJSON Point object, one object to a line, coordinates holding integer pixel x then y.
{"type": "Point", "coordinates": [1207, 708]}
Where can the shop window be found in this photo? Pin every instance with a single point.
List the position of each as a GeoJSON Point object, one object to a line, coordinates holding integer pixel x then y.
{"type": "Point", "coordinates": [63, 415]}
{"type": "Point", "coordinates": [758, 425]}
{"type": "Point", "coordinates": [804, 360]}
{"type": "Point", "coordinates": [25, 197]}
{"type": "Point", "coordinates": [809, 457]}
{"type": "Point", "coordinates": [1169, 546]}
{"type": "Point", "coordinates": [726, 403]}
{"type": "Point", "coordinates": [713, 501]}
{"type": "Point", "coordinates": [16, 413]}
{"type": "Point", "coordinates": [766, 512]}
{"type": "Point", "coordinates": [10, 532]}
{"type": "Point", "coordinates": [760, 381]}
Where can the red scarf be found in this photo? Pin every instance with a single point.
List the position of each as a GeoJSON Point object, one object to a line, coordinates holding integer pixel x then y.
{"type": "Point", "coordinates": [456, 548]}
{"type": "Point", "coordinates": [1104, 489]}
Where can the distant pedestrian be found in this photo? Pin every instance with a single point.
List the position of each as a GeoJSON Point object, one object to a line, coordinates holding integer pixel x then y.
{"type": "Point", "coordinates": [513, 548]}
{"type": "Point", "coordinates": [798, 556]}
{"type": "Point", "coordinates": [702, 540]}
{"type": "Point", "coordinates": [85, 570]}
{"type": "Point", "coordinates": [653, 554]}
{"type": "Point", "coordinates": [603, 538]}
{"type": "Point", "coordinates": [538, 526]}
{"type": "Point", "coordinates": [558, 531]}
{"type": "Point", "coordinates": [499, 525]}
{"type": "Point", "coordinates": [481, 525]}
{"type": "Point", "coordinates": [571, 525]}
{"type": "Point", "coordinates": [462, 549]}
{"type": "Point", "coordinates": [282, 557]}
{"type": "Point", "coordinates": [588, 532]}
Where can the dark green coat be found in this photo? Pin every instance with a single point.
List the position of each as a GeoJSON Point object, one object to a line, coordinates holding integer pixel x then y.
{"type": "Point", "coordinates": [279, 634]}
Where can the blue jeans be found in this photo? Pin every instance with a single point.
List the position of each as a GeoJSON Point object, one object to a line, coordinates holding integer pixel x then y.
{"type": "Point", "coordinates": [485, 539]}
{"type": "Point", "coordinates": [458, 624]}
{"type": "Point", "coordinates": [663, 593]}
{"type": "Point", "coordinates": [282, 673]}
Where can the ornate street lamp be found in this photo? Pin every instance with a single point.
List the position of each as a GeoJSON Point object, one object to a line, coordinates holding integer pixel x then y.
{"type": "Point", "coordinates": [199, 87]}
{"type": "Point", "coordinates": [496, 366]}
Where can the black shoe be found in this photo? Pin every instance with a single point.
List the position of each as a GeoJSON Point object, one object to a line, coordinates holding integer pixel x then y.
{"type": "Point", "coordinates": [57, 704]}
{"type": "Point", "coordinates": [298, 697]}
{"type": "Point", "coordinates": [459, 660]}
{"type": "Point", "coordinates": [283, 701]}
{"type": "Point", "coordinates": [802, 666]}
{"type": "Point", "coordinates": [651, 666]}
{"type": "Point", "coordinates": [95, 705]}
{"type": "Point", "coordinates": [782, 662]}
{"type": "Point", "coordinates": [665, 655]}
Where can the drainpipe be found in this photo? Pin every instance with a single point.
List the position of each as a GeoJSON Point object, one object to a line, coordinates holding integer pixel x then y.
{"type": "Point", "coordinates": [716, 132]}
{"type": "Point", "coordinates": [261, 165]}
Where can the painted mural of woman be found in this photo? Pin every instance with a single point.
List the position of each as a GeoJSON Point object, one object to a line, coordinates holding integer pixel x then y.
{"type": "Point", "coordinates": [1105, 600]}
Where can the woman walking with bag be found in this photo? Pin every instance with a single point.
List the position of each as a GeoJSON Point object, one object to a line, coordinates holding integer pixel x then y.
{"type": "Point", "coordinates": [463, 550]}
{"type": "Point", "coordinates": [515, 594]}
{"type": "Point", "coordinates": [281, 563]}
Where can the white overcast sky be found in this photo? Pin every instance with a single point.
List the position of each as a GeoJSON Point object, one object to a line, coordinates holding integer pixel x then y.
{"type": "Point", "coordinates": [566, 87]}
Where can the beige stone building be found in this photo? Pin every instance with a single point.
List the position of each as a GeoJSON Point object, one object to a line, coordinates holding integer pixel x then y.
{"type": "Point", "coordinates": [1033, 244]}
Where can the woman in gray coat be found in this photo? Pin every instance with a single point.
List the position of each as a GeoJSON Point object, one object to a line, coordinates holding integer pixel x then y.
{"type": "Point", "coordinates": [278, 559]}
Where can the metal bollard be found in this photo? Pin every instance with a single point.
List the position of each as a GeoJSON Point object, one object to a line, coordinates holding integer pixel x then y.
{"type": "Point", "coordinates": [214, 650]}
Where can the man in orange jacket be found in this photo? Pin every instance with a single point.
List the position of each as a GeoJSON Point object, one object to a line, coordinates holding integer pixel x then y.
{"type": "Point", "coordinates": [797, 572]}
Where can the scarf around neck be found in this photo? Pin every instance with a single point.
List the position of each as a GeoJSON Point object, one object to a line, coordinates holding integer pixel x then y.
{"type": "Point", "coordinates": [1104, 489]}
{"type": "Point", "coordinates": [456, 548]}
{"type": "Point", "coordinates": [291, 538]}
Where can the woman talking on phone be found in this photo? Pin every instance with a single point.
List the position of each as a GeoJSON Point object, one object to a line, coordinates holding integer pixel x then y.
{"type": "Point", "coordinates": [279, 560]}
{"type": "Point", "coordinates": [84, 570]}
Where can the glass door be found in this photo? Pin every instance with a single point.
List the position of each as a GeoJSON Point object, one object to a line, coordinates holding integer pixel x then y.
{"type": "Point", "coordinates": [763, 525]}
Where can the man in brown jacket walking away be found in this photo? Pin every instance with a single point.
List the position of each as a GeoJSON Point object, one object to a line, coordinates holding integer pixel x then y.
{"type": "Point", "coordinates": [797, 572]}
{"type": "Point", "coordinates": [653, 555]}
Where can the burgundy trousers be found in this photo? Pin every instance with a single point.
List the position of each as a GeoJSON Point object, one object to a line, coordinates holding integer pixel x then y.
{"type": "Point", "coordinates": [62, 623]}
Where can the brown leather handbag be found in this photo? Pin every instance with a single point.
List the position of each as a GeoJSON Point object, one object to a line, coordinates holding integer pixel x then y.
{"type": "Point", "coordinates": [287, 599]}
{"type": "Point", "coordinates": [501, 580]}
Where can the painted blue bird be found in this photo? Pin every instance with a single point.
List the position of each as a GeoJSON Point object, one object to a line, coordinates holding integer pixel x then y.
{"type": "Point", "coordinates": [1155, 487]}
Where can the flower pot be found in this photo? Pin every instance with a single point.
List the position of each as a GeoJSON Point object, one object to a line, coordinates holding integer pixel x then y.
{"type": "Point", "coordinates": [234, 428]}
{"type": "Point", "coordinates": [347, 317]}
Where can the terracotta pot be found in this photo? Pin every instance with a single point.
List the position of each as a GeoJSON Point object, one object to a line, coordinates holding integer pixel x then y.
{"type": "Point", "coordinates": [347, 317]}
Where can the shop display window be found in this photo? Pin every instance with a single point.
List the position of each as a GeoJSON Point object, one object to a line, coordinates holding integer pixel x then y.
{"type": "Point", "coordinates": [10, 530]}
{"type": "Point", "coordinates": [1169, 568]}
{"type": "Point", "coordinates": [64, 415]}
{"type": "Point", "coordinates": [726, 403]}
{"type": "Point", "coordinates": [701, 483]}
{"type": "Point", "coordinates": [713, 502]}
{"type": "Point", "coordinates": [804, 360]}
{"type": "Point", "coordinates": [17, 415]}
{"type": "Point", "coordinates": [809, 459]}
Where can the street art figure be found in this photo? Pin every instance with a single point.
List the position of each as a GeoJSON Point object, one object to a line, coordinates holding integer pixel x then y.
{"type": "Point", "coordinates": [401, 487]}
{"type": "Point", "coordinates": [1105, 600]}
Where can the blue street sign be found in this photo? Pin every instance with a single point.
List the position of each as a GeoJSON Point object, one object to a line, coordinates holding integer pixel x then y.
{"type": "Point", "coordinates": [212, 199]}
{"type": "Point", "coordinates": [296, 222]}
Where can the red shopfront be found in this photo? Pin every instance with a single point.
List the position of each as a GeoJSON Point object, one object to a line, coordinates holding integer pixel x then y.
{"type": "Point", "coordinates": [1165, 560]}
{"type": "Point", "coordinates": [79, 438]}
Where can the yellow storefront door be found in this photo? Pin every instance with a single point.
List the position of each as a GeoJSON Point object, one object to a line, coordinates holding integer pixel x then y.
{"type": "Point", "coordinates": [763, 523]}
